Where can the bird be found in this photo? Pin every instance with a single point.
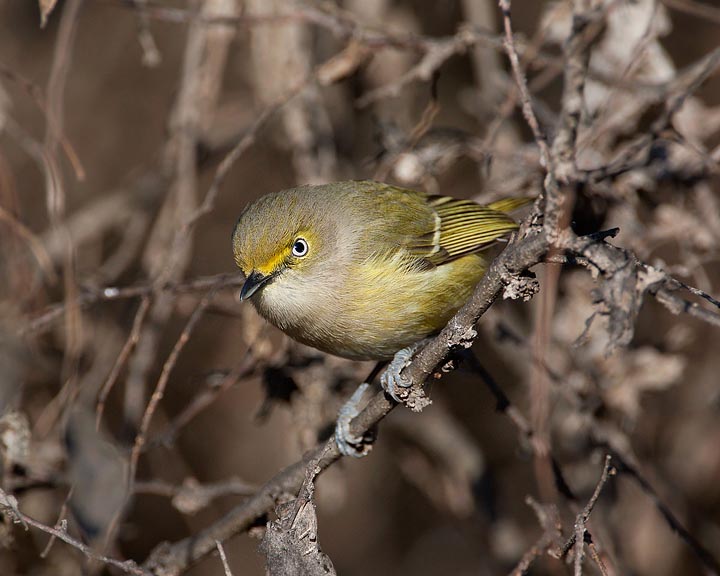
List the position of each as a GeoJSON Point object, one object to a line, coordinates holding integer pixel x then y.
{"type": "Point", "coordinates": [362, 269]}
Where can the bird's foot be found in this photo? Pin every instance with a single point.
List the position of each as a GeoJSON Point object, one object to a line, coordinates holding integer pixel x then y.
{"type": "Point", "coordinates": [348, 443]}
{"type": "Point", "coordinates": [399, 387]}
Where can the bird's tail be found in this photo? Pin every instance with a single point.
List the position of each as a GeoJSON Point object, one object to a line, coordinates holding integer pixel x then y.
{"type": "Point", "coordinates": [510, 204]}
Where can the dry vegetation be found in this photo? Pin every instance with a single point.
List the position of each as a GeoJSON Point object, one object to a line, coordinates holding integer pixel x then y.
{"type": "Point", "coordinates": [146, 416]}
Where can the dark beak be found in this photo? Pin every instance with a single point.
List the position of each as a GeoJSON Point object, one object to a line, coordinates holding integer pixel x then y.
{"type": "Point", "coordinates": [253, 283]}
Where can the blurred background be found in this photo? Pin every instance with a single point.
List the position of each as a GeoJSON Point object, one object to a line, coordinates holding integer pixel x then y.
{"type": "Point", "coordinates": [132, 134]}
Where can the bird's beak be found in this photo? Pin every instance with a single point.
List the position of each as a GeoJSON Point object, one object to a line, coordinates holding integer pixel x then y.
{"type": "Point", "coordinates": [253, 283]}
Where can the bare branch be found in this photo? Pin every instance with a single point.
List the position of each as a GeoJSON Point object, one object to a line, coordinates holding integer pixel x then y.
{"type": "Point", "coordinates": [9, 506]}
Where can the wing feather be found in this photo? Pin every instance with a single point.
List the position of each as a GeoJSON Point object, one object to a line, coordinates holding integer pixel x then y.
{"type": "Point", "coordinates": [427, 231]}
{"type": "Point", "coordinates": [464, 227]}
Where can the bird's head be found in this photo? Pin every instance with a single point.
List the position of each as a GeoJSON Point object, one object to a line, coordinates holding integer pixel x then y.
{"type": "Point", "coordinates": [281, 239]}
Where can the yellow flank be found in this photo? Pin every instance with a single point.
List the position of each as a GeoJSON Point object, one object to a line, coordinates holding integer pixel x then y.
{"type": "Point", "coordinates": [389, 304]}
{"type": "Point", "coordinates": [379, 269]}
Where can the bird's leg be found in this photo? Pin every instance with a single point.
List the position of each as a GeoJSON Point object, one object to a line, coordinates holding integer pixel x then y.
{"type": "Point", "coordinates": [392, 378]}
{"type": "Point", "coordinates": [348, 443]}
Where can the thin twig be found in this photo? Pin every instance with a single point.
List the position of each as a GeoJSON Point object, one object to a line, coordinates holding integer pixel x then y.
{"type": "Point", "coordinates": [245, 367]}
{"type": "Point", "coordinates": [122, 358]}
{"type": "Point", "coordinates": [162, 382]}
{"type": "Point", "coordinates": [703, 554]}
{"type": "Point", "coordinates": [114, 293]}
{"type": "Point", "coordinates": [36, 94]}
{"type": "Point", "coordinates": [127, 566]}
{"type": "Point", "coordinates": [33, 242]}
{"type": "Point", "coordinates": [577, 540]}
{"type": "Point", "coordinates": [221, 550]}
{"type": "Point", "coordinates": [61, 521]}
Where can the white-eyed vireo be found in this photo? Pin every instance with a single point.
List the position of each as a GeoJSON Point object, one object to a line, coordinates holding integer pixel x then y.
{"type": "Point", "coordinates": [362, 269]}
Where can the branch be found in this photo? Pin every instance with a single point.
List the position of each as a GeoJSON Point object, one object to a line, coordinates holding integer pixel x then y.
{"type": "Point", "coordinates": [504, 274]}
{"type": "Point", "coordinates": [172, 559]}
{"type": "Point", "coordinates": [703, 554]}
{"type": "Point", "coordinates": [111, 293]}
{"type": "Point", "coordinates": [577, 540]}
{"type": "Point", "coordinates": [8, 505]}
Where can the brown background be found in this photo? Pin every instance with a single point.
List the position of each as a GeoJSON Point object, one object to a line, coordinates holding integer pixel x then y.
{"type": "Point", "coordinates": [404, 509]}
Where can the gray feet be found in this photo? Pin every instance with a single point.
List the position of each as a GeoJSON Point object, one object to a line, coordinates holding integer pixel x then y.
{"type": "Point", "coordinates": [392, 380]}
{"type": "Point", "coordinates": [394, 384]}
{"type": "Point", "coordinates": [348, 443]}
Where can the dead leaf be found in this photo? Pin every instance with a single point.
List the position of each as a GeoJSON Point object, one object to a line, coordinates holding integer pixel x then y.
{"type": "Point", "coordinates": [46, 7]}
{"type": "Point", "coordinates": [344, 64]}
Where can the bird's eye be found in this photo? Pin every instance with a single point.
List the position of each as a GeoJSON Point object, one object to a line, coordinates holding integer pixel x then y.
{"type": "Point", "coordinates": [300, 248]}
